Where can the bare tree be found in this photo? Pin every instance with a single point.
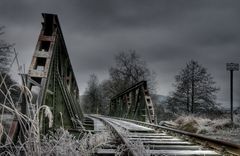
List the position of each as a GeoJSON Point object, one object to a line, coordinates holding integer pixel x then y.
{"type": "Point", "coordinates": [107, 91]}
{"type": "Point", "coordinates": [195, 89]}
{"type": "Point", "coordinates": [92, 99]}
{"type": "Point", "coordinates": [6, 55]}
{"type": "Point", "coordinates": [128, 70]}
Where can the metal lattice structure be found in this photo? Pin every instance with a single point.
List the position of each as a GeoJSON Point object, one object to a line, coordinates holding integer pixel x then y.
{"type": "Point", "coordinates": [51, 80]}
{"type": "Point", "coordinates": [134, 103]}
{"type": "Point", "coordinates": [52, 69]}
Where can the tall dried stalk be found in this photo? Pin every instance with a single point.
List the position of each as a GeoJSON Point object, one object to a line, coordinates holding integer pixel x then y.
{"type": "Point", "coordinates": [60, 143]}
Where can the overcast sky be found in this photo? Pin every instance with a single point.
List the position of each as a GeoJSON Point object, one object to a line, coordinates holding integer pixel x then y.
{"type": "Point", "coordinates": [166, 34]}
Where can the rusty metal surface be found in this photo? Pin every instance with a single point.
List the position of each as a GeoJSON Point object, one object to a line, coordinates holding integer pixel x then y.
{"type": "Point", "coordinates": [131, 151]}
{"type": "Point", "coordinates": [134, 103]}
{"type": "Point", "coordinates": [219, 145]}
{"type": "Point", "coordinates": [141, 140]}
{"type": "Point", "coordinates": [51, 80]}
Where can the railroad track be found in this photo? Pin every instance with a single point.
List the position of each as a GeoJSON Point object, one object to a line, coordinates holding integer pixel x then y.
{"type": "Point", "coordinates": [142, 138]}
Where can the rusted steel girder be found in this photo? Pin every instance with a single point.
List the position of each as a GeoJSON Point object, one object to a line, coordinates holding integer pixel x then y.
{"type": "Point", "coordinates": [51, 80]}
{"type": "Point", "coordinates": [134, 103]}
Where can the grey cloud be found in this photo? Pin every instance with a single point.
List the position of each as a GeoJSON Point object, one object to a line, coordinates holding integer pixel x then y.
{"type": "Point", "coordinates": [165, 33]}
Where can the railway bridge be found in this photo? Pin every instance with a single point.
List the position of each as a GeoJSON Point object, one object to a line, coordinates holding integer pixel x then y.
{"type": "Point", "coordinates": [50, 84]}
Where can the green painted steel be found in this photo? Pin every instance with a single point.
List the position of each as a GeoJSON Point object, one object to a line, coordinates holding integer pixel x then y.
{"type": "Point", "coordinates": [51, 68]}
{"type": "Point", "coordinates": [134, 103]}
{"type": "Point", "coordinates": [52, 82]}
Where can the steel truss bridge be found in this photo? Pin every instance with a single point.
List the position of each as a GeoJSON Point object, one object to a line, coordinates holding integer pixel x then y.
{"type": "Point", "coordinates": [132, 118]}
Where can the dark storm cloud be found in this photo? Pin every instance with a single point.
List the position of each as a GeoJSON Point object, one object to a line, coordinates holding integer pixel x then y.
{"type": "Point", "coordinates": [165, 33]}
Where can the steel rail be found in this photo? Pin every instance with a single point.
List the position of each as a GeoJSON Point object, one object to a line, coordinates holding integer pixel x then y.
{"type": "Point", "coordinates": [219, 145]}
{"type": "Point", "coordinates": [124, 140]}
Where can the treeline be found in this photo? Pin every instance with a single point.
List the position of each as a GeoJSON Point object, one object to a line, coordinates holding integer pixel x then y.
{"type": "Point", "coordinates": [6, 82]}
{"type": "Point", "coordinates": [129, 68]}
{"type": "Point", "coordinates": [194, 93]}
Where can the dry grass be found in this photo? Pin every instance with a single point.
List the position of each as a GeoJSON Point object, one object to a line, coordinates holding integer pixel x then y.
{"type": "Point", "coordinates": [59, 143]}
{"type": "Point", "coordinates": [62, 143]}
{"type": "Point", "coordinates": [28, 124]}
{"type": "Point", "coordinates": [221, 128]}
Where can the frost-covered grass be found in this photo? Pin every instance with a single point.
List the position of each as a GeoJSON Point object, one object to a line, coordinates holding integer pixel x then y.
{"type": "Point", "coordinates": [62, 143]}
{"type": "Point", "coordinates": [221, 128]}
{"type": "Point", "coordinates": [59, 143]}
{"type": "Point", "coordinates": [30, 142]}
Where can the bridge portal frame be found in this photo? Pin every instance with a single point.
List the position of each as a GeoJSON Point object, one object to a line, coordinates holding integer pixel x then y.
{"type": "Point", "coordinates": [134, 103]}
{"type": "Point", "coordinates": [52, 82]}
